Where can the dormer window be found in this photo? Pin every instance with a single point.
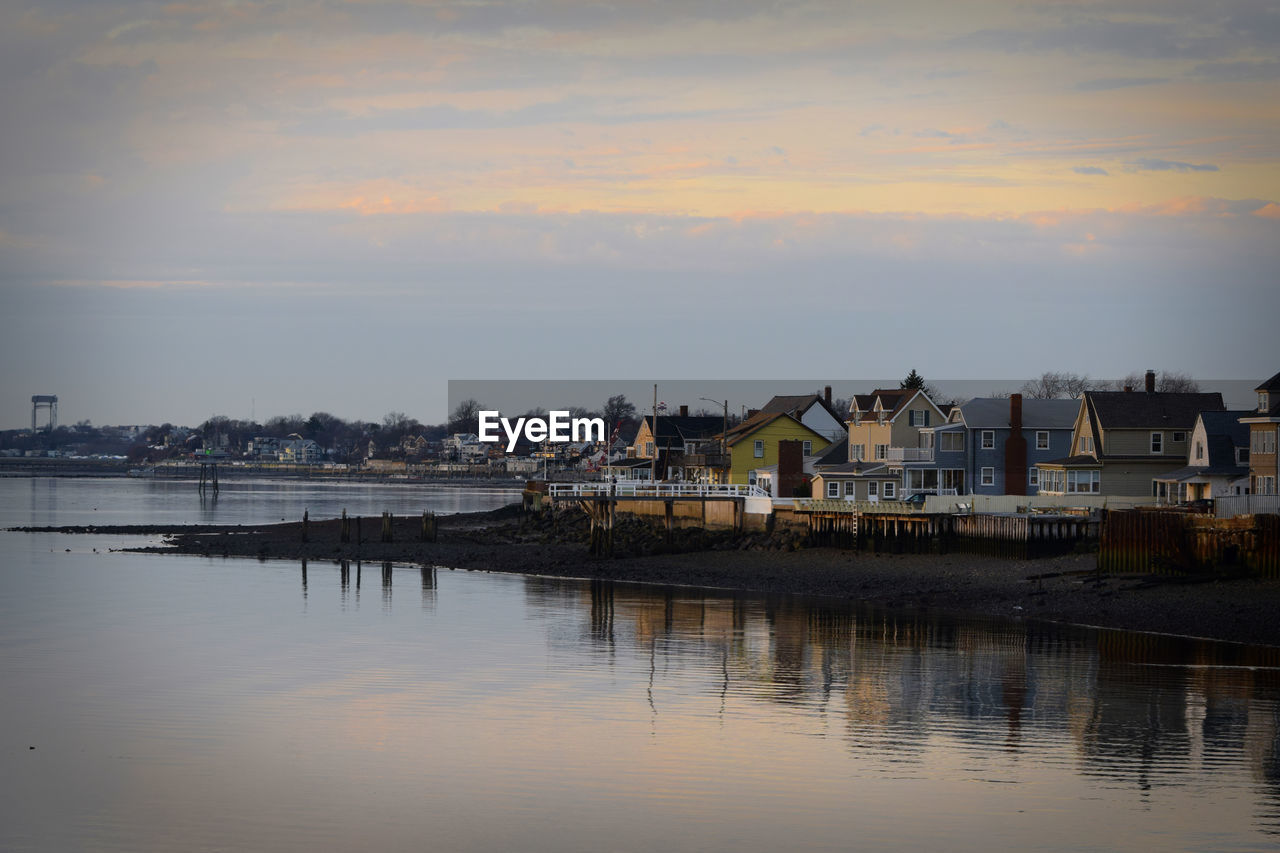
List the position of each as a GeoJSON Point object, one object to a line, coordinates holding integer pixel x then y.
{"type": "Point", "coordinates": [1264, 401]}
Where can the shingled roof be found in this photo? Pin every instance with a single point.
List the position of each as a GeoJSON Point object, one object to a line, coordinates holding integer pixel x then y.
{"type": "Point", "coordinates": [680, 428]}
{"type": "Point", "coordinates": [1150, 410]}
{"type": "Point", "coordinates": [993, 413]}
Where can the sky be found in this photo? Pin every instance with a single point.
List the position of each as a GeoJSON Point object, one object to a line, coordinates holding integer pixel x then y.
{"type": "Point", "coordinates": [252, 209]}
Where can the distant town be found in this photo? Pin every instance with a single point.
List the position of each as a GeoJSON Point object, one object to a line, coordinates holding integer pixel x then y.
{"type": "Point", "coordinates": [1152, 437]}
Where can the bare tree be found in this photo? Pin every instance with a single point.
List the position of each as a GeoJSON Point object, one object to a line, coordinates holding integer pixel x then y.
{"type": "Point", "coordinates": [466, 416]}
{"type": "Point", "coordinates": [618, 408]}
{"type": "Point", "coordinates": [1166, 382]}
{"type": "Point", "coordinates": [1053, 385]}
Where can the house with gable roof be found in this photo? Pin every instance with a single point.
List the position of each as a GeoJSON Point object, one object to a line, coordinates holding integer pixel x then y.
{"type": "Point", "coordinates": [1123, 440]}
{"type": "Point", "coordinates": [812, 410]}
{"type": "Point", "coordinates": [1264, 431]}
{"type": "Point", "coordinates": [1217, 461]}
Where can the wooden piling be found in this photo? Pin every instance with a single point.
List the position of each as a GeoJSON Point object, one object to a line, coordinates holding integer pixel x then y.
{"type": "Point", "coordinates": [344, 530]}
{"type": "Point", "coordinates": [306, 524]}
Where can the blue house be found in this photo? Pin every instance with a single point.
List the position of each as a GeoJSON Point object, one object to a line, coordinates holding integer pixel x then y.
{"type": "Point", "coordinates": [992, 446]}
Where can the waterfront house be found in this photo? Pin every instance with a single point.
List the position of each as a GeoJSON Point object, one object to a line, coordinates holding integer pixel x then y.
{"type": "Point", "coordinates": [1264, 426]}
{"type": "Point", "coordinates": [885, 425]}
{"type": "Point", "coordinates": [1217, 461]}
{"type": "Point", "coordinates": [754, 443]}
{"type": "Point", "coordinates": [1123, 440]}
{"type": "Point", "coordinates": [995, 445]}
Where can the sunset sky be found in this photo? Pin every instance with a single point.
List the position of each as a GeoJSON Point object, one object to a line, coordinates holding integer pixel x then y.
{"type": "Point", "coordinates": [235, 207]}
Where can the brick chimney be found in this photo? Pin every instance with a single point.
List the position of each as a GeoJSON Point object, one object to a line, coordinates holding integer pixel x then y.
{"type": "Point", "coordinates": [1151, 381]}
{"type": "Point", "coordinates": [790, 467]}
{"type": "Point", "coordinates": [826, 395]}
{"type": "Point", "coordinates": [1015, 451]}
{"type": "Point", "coordinates": [684, 411]}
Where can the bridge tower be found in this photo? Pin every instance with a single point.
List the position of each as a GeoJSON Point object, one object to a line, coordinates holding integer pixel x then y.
{"type": "Point", "coordinates": [49, 402]}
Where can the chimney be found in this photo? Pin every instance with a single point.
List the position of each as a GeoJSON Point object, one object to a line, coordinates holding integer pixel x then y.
{"type": "Point", "coordinates": [1015, 451]}
{"type": "Point", "coordinates": [826, 395]}
{"type": "Point", "coordinates": [751, 413]}
{"type": "Point", "coordinates": [1151, 381]}
{"type": "Point", "coordinates": [684, 411]}
{"type": "Point", "coordinates": [790, 467]}
{"type": "Point", "coordinates": [1128, 389]}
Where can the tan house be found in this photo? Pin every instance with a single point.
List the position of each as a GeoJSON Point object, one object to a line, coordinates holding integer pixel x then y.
{"type": "Point", "coordinates": [1264, 430]}
{"type": "Point", "coordinates": [1124, 440]}
{"type": "Point", "coordinates": [885, 425]}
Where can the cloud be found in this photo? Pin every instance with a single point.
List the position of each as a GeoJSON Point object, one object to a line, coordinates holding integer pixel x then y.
{"type": "Point", "coordinates": [1089, 170]}
{"type": "Point", "coordinates": [1151, 164]}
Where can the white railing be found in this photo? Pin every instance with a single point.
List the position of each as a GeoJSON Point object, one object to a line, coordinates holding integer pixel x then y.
{"type": "Point", "coordinates": [655, 490]}
{"type": "Point", "coordinates": [908, 454]}
{"type": "Point", "coordinates": [1229, 506]}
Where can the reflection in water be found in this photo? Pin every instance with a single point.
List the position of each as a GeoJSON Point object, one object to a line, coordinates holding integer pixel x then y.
{"type": "Point", "coordinates": [1139, 711]}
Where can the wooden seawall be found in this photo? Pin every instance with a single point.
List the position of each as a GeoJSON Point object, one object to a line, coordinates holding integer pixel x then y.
{"type": "Point", "coordinates": [1168, 542]}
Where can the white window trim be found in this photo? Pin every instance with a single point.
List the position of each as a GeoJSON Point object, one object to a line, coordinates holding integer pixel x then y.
{"type": "Point", "coordinates": [806, 448]}
{"type": "Point", "coordinates": [1033, 476]}
{"type": "Point", "coordinates": [987, 477]}
{"type": "Point", "coordinates": [988, 439]}
{"type": "Point", "coordinates": [1178, 433]}
{"type": "Point", "coordinates": [890, 491]}
{"type": "Point", "coordinates": [1042, 434]}
{"type": "Point", "coordinates": [758, 448]}
{"type": "Point", "coordinates": [833, 488]}
{"type": "Point", "coordinates": [1157, 443]}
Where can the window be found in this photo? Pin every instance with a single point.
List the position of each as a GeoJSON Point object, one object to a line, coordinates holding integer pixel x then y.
{"type": "Point", "coordinates": [1033, 477]}
{"type": "Point", "coordinates": [848, 488]}
{"type": "Point", "coordinates": [1042, 439]}
{"type": "Point", "coordinates": [988, 476]}
{"type": "Point", "coordinates": [873, 489]}
{"type": "Point", "coordinates": [1086, 444]}
{"type": "Point", "coordinates": [1263, 441]}
{"type": "Point", "coordinates": [759, 448]}
{"type": "Point", "coordinates": [1083, 482]}
{"type": "Point", "coordinates": [882, 451]}
{"type": "Point", "coordinates": [1264, 401]}
{"type": "Point", "coordinates": [890, 491]}
{"type": "Point", "coordinates": [1242, 456]}
{"type": "Point", "coordinates": [1265, 486]}
{"type": "Point", "coordinates": [915, 418]}
{"type": "Point", "coordinates": [806, 447]}
{"type": "Point", "coordinates": [648, 449]}
{"type": "Point", "coordinates": [1179, 437]}
{"type": "Point", "coordinates": [952, 441]}
{"type": "Point", "coordinates": [1199, 450]}
{"type": "Point", "coordinates": [752, 477]}
{"type": "Point", "coordinates": [953, 479]}
{"type": "Point", "coordinates": [857, 452]}
{"type": "Point", "coordinates": [988, 439]}
{"type": "Point", "coordinates": [1157, 442]}
{"type": "Point", "coordinates": [833, 488]}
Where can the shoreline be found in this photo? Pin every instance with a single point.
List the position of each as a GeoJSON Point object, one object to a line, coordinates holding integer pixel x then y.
{"type": "Point", "coordinates": [1061, 589]}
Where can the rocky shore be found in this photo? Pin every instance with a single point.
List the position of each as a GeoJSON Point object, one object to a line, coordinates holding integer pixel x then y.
{"type": "Point", "coordinates": [1066, 588]}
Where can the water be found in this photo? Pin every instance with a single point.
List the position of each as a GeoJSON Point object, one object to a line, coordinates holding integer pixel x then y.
{"type": "Point", "coordinates": [48, 502]}
{"type": "Point", "coordinates": [197, 704]}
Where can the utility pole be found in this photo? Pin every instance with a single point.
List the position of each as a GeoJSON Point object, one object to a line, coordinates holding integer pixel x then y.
{"type": "Point", "coordinates": [653, 463]}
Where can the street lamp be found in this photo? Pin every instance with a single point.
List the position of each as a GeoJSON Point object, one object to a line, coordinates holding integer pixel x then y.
{"type": "Point", "coordinates": [724, 430]}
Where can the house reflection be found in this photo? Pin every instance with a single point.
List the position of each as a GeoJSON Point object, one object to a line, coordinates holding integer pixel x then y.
{"type": "Point", "coordinates": [1140, 709]}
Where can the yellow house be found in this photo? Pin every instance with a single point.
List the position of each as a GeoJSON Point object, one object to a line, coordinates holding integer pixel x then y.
{"type": "Point", "coordinates": [753, 444]}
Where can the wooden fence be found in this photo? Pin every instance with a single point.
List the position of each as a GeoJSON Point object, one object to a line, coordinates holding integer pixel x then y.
{"type": "Point", "coordinates": [1146, 541]}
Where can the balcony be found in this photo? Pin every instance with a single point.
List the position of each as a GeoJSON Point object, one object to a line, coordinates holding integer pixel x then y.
{"type": "Point", "coordinates": [908, 454]}
{"type": "Point", "coordinates": [713, 459]}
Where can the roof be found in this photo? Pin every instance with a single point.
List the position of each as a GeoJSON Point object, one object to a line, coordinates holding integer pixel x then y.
{"type": "Point", "coordinates": [797, 404]}
{"type": "Point", "coordinates": [1078, 461]}
{"type": "Point", "coordinates": [679, 428]}
{"type": "Point", "coordinates": [1191, 472]}
{"type": "Point", "coordinates": [1223, 434]}
{"type": "Point", "coordinates": [1150, 410]}
{"type": "Point", "coordinates": [993, 413]}
{"type": "Point", "coordinates": [1272, 384]}
{"type": "Point", "coordinates": [757, 422]}
{"type": "Point", "coordinates": [834, 453]}
{"type": "Point", "coordinates": [858, 468]}
{"type": "Point", "coordinates": [892, 400]}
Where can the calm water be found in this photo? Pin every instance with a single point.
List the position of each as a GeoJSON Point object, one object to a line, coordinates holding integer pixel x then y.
{"type": "Point", "coordinates": [196, 704]}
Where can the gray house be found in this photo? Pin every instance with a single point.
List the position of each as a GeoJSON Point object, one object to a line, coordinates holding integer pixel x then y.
{"type": "Point", "coordinates": [1006, 439]}
{"type": "Point", "coordinates": [1217, 461]}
